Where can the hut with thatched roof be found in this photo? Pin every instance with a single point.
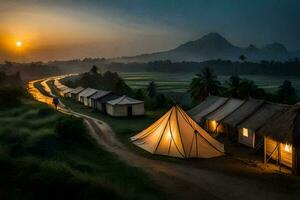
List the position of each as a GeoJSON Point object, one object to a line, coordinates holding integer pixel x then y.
{"type": "Point", "coordinates": [282, 138]}
{"type": "Point", "coordinates": [213, 121]}
{"type": "Point", "coordinates": [247, 129]}
{"type": "Point", "coordinates": [74, 93]}
{"type": "Point", "coordinates": [210, 104]}
{"type": "Point", "coordinates": [98, 95]}
{"type": "Point", "coordinates": [231, 122]}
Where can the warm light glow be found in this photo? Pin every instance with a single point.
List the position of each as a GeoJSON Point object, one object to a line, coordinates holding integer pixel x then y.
{"type": "Point", "coordinates": [213, 125]}
{"type": "Point", "coordinates": [169, 135]}
{"type": "Point", "coordinates": [245, 132]}
{"type": "Point", "coordinates": [288, 148]}
{"type": "Point", "coordinates": [19, 43]}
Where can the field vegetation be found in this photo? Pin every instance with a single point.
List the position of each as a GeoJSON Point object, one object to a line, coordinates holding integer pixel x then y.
{"type": "Point", "coordinates": [47, 155]}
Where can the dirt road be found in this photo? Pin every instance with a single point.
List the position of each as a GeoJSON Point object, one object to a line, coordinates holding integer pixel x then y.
{"type": "Point", "coordinates": [182, 181]}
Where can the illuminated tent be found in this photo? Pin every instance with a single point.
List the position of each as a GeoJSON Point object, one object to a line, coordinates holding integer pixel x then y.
{"type": "Point", "coordinates": [176, 134]}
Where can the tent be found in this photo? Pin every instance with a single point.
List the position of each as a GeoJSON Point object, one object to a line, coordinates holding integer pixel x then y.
{"type": "Point", "coordinates": [247, 129]}
{"type": "Point", "coordinates": [74, 93]}
{"type": "Point", "coordinates": [66, 92]}
{"type": "Point", "coordinates": [239, 115]}
{"type": "Point", "coordinates": [176, 134]}
{"type": "Point", "coordinates": [213, 120]}
{"type": "Point", "coordinates": [59, 86]}
{"type": "Point", "coordinates": [79, 96]}
{"type": "Point", "coordinates": [85, 97]}
{"type": "Point", "coordinates": [209, 105]}
{"type": "Point", "coordinates": [125, 106]}
{"type": "Point", "coordinates": [101, 102]}
{"type": "Point", "coordinates": [282, 138]}
{"type": "Point", "coordinates": [98, 95]}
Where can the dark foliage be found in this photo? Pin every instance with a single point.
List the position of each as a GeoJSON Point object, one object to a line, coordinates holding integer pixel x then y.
{"type": "Point", "coordinates": [225, 67]}
{"type": "Point", "coordinates": [204, 84]}
{"type": "Point", "coordinates": [31, 179]}
{"type": "Point", "coordinates": [10, 97]}
{"type": "Point", "coordinates": [286, 93]}
{"type": "Point", "coordinates": [108, 81]}
{"type": "Point", "coordinates": [152, 89]}
{"type": "Point", "coordinates": [71, 130]}
{"type": "Point", "coordinates": [243, 88]}
{"type": "Point", "coordinates": [29, 71]}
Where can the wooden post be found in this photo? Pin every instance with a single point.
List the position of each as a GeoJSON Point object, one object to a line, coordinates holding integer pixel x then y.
{"type": "Point", "coordinates": [279, 155]}
{"type": "Point", "coordinates": [265, 150]}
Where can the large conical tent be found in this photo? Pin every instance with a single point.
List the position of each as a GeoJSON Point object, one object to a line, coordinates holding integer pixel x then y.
{"type": "Point", "coordinates": [176, 134]}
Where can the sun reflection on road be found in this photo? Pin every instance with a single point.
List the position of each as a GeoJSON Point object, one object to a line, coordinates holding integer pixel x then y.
{"type": "Point", "coordinates": [37, 95]}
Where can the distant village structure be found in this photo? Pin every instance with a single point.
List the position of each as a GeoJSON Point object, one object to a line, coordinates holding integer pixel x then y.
{"type": "Point", "coordinates": [105, 101]}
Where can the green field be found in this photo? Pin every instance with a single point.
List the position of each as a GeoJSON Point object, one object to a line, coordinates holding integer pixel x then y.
{"type": "Point", "coordinates": [37, 163]}
{"type": "Point", "coordinates": [179, 82]}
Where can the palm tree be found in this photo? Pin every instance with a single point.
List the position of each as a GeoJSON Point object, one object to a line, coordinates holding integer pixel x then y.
{"type": "Point", "coordinates": [242, 58]}
{"type": "Point", "coordinates": [204, 84]}
{"type": "Point", "coordinates": [250, 89]}
{"type": "Point", "coordinates": [286, 93]}
{"type": "Point", "coordinates": [94, 69]}
{"type": "Point", "coordinates": [152, 89]}
{"type": "Point", "coordinates": [233, 86]}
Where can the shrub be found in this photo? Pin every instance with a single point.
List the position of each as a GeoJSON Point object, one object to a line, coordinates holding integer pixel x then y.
{"type": "Point", "coordinates": [71, 130]}
{"type": "Point", "coordinates": [44, 145]}
{"type": "Point", "coordinates": [45, 111]}
{"type": "Point", "coordinates": [10, 97]}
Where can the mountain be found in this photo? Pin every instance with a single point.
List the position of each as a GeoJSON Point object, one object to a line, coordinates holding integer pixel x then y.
{"type": "Point", "coordinates": [214, 46]}
{"type": "Point", "coordinates": [275, 48]}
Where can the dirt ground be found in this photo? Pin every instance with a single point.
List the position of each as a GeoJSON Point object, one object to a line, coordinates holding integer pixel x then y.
{"type": "Point", "coordinates": [226, 177]}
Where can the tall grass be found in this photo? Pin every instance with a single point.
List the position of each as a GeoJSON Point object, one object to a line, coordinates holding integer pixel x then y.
{"type": "Point", "coordinates": [43, 155]}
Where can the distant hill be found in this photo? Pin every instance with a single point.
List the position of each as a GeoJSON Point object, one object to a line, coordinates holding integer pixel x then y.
{"type": "Point", "coordinates": [214, 46]}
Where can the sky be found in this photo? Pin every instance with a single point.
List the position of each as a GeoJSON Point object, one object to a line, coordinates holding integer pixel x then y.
{"type": "Point", "coordinates": [69, 29]}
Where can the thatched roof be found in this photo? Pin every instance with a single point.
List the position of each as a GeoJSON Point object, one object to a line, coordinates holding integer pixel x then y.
{"type": "Point", "coordinates": [262, 116]}
{"type": "Point", "coordinates": [108, 97]}
{"type": "Point", "coordinates": [284, 126]}
{"type": "Point", "coordinates": [204, 104]}
{"type": "Point", "coordinates": [244, 111]}
{"type": "Point", "coordinates": [99, 94]}
{"type": "Point", "coordinates": [227, 108]}
{"type": "Point", "coordinates": [204, 108]}
{"type": "Point", "coordinates": [77, 90]}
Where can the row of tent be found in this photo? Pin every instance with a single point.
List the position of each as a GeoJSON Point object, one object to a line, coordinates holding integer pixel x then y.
{"type": "Point", "coordinates": [253, 123]}
{"type": "Point", "coordinates": [104, 101]}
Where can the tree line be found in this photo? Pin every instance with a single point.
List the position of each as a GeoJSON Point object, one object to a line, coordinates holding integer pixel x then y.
{"type": "Point", "coordinates": [206, 83]}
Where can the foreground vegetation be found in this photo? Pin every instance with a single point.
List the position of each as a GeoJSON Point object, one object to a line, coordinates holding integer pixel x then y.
{"type": "Point", "coordinates": [46, 155]}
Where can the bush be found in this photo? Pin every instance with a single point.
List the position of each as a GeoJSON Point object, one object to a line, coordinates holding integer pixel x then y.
{"type": "Point", "coordinates": [44, 145]}
{"type": "Point", "coordinates": [46, 111]}
{"type": "Point", "coordinates": [29, 178]}
{"type": "Point", "coordinates": [10, 97]}
{"type": "Point", "coordinates": [71, 130]}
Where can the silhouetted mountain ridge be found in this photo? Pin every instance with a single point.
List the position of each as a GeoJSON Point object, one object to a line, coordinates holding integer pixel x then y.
{"type": "Point", "coordinates": [215, 46]}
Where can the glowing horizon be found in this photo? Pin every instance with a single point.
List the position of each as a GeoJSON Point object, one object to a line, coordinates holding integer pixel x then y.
{"type": "Point", "coordinates": [75, 29]}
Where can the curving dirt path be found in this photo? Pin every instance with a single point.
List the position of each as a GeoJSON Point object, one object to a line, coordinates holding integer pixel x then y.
{"type": "Point", "coordinates": [181, 181]}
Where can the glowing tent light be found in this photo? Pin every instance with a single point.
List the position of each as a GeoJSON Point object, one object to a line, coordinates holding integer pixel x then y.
{"type": "Point", "coordinates": [287, 148]}
{"type": "Point", "coordinates": [245, 132]}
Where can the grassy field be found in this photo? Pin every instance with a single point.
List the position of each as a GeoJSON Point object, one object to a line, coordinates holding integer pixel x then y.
{"type": "Point", "coordinates": [179, 82]}
{"type": "Point", "coordinates": [35, 163]}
